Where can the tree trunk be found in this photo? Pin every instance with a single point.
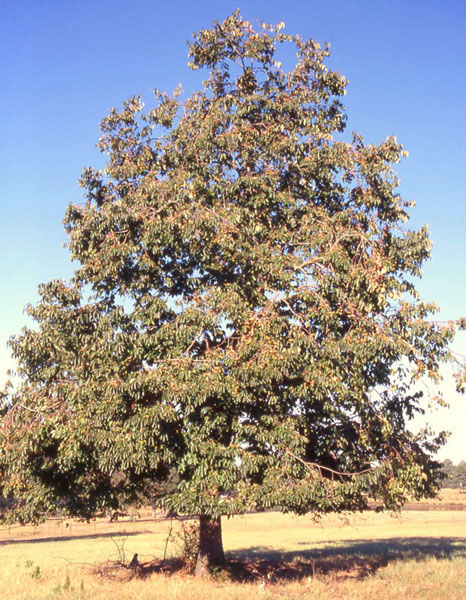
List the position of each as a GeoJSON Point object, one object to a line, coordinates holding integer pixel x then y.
{"type": "Point", "coordinates": [211, 552]}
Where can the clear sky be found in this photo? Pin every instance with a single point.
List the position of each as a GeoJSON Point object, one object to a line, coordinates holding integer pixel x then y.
{"type": "Point", "coordinates": [65, 63]}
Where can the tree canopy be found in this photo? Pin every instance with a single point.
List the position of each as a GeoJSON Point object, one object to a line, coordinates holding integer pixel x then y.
{"type": "Point", "coordinates": [243, 310]}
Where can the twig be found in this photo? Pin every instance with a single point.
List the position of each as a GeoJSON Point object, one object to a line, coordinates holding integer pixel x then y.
{"type": "Point", "coordinates": [169, 537]}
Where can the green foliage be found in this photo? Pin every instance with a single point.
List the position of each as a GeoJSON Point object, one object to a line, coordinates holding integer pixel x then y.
{"type": "Point", "coordinates": [453, 476]}
{"type": "Point", "coordinates": [243, 311]}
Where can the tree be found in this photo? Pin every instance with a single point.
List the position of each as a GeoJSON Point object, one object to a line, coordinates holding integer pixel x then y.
{"type": "Point", "coordinates": [453, 476]}
{"type": "Point", "coordinates": [243, 310]}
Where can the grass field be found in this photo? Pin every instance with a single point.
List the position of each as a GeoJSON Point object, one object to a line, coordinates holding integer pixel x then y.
{"type": "Point", "coordinates": [417, 554]}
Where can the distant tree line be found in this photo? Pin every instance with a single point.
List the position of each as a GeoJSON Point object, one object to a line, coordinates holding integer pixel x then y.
{"type": "Point", "coordinates": [454, 475]}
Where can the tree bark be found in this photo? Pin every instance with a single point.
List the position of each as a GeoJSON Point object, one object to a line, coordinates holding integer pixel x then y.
{"type": "Point", "coordinates": [211, 552]}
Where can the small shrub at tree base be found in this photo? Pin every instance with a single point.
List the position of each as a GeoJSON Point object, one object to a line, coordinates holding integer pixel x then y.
{"type": "Point", "coordinates": [187, 542]}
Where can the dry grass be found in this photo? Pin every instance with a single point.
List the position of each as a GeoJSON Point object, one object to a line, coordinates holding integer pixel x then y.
{"type": "Point", "coordinates": [448, 499]}
{"type": "Point", "coordinates": [419, 554]}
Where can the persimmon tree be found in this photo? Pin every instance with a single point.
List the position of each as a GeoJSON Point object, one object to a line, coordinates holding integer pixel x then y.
{"type": "Point", "coordinates": [243, 309]}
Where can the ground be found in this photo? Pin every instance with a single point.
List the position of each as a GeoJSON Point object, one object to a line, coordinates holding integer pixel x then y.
{"type": "Point", "coordinates": [416, 554]}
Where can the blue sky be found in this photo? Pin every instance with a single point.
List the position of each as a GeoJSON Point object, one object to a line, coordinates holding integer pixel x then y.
{"type": "Point", "coordinates": [65, 63]}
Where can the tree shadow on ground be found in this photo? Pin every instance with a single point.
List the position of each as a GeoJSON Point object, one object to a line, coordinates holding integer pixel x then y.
{"type": "Point", "coordinates": [352, 559]}
{"type": "Point", "coordinates": [66, 538]}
